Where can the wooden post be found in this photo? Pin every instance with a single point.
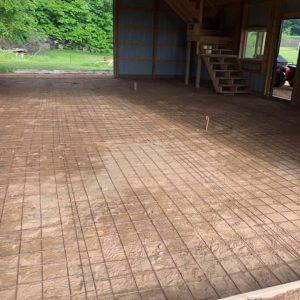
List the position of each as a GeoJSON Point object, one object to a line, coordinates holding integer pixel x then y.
{"type": "Point", "coordinates": [201, 9]}
{"type": "Point", "coordinates": [198, 73]}
{"type": "Point", "coordinates": [199, 62]}
{"type": "Point", "coordinates": [155, 31]}
{"type": "Point", "coordinates": [296, 88]}
{"type": "Point", "coordinates": [271, 43]}
{"type": "Point", "coordinates": [188, 62]}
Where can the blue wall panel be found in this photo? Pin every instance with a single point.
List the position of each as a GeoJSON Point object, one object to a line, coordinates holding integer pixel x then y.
{"type": "Point", "coordinates": [135, 52]}
{"type": "Point", "coordinates": [148, 4]}
{"type": "Point", "coordinates": [255, 81]}
{"type": "Point", "coordinates": [258, 15]}
{"type": "Point", "coordinates": [151, 39]}
{"type": "Point", "coordinates": [136, 36]}
{"type": "Point", "coordinates": [136, 18]}
{"type": "Point", "coordinates": [135, 25]}
{"type": "Point", "coordinates": [170, 42]}
{"type": "Point", "coordinates": [135, 68]}
{"type": "Point", "coordinates": [227, 18]}
{"type": "Point", "coordinates": [292, 6]}
{"type": "Point", "coordinates": [167, 69]}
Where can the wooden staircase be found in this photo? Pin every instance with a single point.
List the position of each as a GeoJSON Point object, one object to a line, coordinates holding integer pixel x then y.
{"type": "Point", "coordinates": [213, 48]}
{"type": "Point", "coordinates": [224, 69]}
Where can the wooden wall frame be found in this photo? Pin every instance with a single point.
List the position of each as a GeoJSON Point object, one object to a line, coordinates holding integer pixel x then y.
{"type": "Point", "coordinates": [274, 24]}
{"type": "Point", "coordinates": [296, 90]}
{"type": "Point", "coordinates": [243, 48]}
{"type": "Point", "coordinates": [274, 36]}
{"type": "Point", "coordinates": [291, 15]}
{"type": "Point", "coordinates": [116, 37]}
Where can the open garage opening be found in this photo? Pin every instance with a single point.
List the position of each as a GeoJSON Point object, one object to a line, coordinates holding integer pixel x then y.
{"type": "Point", "coordinates": [60, 37]}
{"type": "Point", "coordinates": [287, 58]}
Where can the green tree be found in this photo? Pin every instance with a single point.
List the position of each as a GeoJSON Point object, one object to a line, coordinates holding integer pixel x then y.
{"type": "Point", "coordinates": [82, 24]}
{"type": "Point", "coordinates": [291, 27]}
{"type": "Point", "coordinates": [17, 21]}
{"type": "Point", "coordinates": [77, 23]}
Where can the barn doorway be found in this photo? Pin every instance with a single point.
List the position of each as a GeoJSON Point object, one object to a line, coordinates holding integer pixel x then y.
{"type": "Point", "coordinates": [61, 37]}
{"type": "Point", "coordinates": [286, 59]}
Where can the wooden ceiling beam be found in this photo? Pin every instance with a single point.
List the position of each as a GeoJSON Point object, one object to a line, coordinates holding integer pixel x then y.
{"type": "Point", "coordinates": [185, 9]}
{"type": "Point", "coordinates": [177, 9]}
{"type": "Point", "coordinates": [223, 2]}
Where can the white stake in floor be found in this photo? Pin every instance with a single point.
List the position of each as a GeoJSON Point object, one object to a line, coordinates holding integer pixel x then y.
{"type": "Point", "coordinates": [207, 123]}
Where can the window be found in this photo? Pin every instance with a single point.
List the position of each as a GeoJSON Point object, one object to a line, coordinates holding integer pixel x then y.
{"type": "Point", "coordinates": [254, 44]}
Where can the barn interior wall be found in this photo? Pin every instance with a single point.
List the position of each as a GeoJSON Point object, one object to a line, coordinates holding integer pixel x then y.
{"type": "Point", "coordinates": [255, 16]}
{"type": "Point", "coordinates": [150, 39]}
{"type": "Point", "coordinates": [291, 6]}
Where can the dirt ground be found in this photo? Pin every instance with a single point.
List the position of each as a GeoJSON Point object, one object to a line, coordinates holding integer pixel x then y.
{"type": "Point", "coordinates": [108, 193]}
{"type": "Point", "coordinates": [284, 92]}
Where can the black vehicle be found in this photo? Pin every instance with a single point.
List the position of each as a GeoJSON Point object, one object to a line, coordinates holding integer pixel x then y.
{"type": "Point", "coordinates": [284, 72]}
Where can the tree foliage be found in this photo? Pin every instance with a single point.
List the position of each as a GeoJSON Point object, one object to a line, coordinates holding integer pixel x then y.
{"type": "Point", "coordinates": [83, 24]}
{"type": "Point", "coordinates": [291, 27]}
{"type": "Point", "coordinates": [17, 20]}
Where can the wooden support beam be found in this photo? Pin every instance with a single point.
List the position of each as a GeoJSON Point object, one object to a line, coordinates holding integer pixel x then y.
{"type": "Point", "coordinates": [188, 62]}
{"type": "Point", "coordinates": [185, 9]}
{"type": "Point", "coordinates": [296, 88]}
{"type": "Point", "coordinates": [272, 42]}
{"type": "Point", "coordinates": [199, 62]}
{"type": "Point", "coordinates": [198, 73]}
{"type": "Point", "coordinates": [201, 10]}
{"type": "Point", "coordinates": [154, 38]}
{"type": "Point", "coordinates": [176, 8]}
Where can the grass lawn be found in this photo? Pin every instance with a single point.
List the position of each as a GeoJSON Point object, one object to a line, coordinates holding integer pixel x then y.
{"type": "Point", "coordinates": [50, 60]}
{"type": "Point", "coordinates": [290, 54]}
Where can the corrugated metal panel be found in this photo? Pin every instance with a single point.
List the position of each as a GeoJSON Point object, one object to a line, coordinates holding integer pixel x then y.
{"type": "Point", "coordinates": [292, 6]}
{"type": "Point", "coordinates": [135, 52]}
{"type": "Point", "coordinates": [135, 68]}
{"type": "Point", "coordinates": [167, 69]}
{"type": "Point", "coordinates": [151, 39]}
{"type": "Point", "coordinates": [228, 17]}
{"type": "Point", "coordinates": [148, 4]}
{"type": "Point", "coordinates": [135, 37]}
{"type": "Point", "coordinates": [171, 43]}
{"type": "Point", "coordinates": [258, 15]}
{"type": "Point", "coordinates": [255, 79]}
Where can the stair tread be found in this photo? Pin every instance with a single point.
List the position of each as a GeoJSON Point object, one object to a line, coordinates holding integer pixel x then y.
{"type": "Point", "coordinates": [233, 85]}
{"type": "Point", "coordinates": [242, 92]}
{"type": "Point", "coordinates": [223, 63]}
{"type": "Point", "coordinates": [227, 92]}
{"type": "Point", "coordinates": [224, 50]}
{"type": "Point", "coordinates": [227, 71]}
{"type": "Point", "coordinates": [220, 55]}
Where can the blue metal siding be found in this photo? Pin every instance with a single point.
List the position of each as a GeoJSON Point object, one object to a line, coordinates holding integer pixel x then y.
{"type": "Point", "coordinates": [256, 82]}
{"type": "Point", "coordinates": [148, 4]}
{"type": "Point", "coordinates": [151, 39]}
{"type": "Point", "coordinates": [135, 68]}
{"type": "Point", "coordinates": [228, 17]}
{"type": "Point", "coordinates": [255, 79]}
{"type": "Point", "coordinates": [292, 6]}
{"type": "Point", "coordinates": [135, 52]}
{"type": "Point", "coordinates": [170, 43]}
{"type": "Point", "coordinates": [135, 37]}
{"type": "Point", "coordinates": [258, 15]}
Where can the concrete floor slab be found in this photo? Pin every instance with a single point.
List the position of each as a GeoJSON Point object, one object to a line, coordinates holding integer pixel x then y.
{"type": "Point", "coordinates": [111, 193]}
